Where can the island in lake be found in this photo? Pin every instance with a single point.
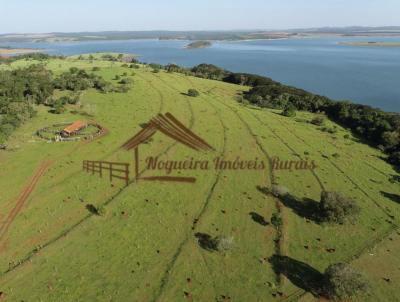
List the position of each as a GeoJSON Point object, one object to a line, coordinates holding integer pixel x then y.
{"type": "Point", "coordinates": [199, 44]}
{"type": "Point", "coordinates": [372, 43]}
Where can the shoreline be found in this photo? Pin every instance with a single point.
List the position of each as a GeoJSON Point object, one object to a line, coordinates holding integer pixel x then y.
{"type": "Point", "coordinates": [370, 44]}
{"type": "Point", "coordinates": [17, 51]}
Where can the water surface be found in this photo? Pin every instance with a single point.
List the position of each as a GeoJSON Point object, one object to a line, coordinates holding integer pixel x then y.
{"type": "Point", "coordinates": [362, 74]}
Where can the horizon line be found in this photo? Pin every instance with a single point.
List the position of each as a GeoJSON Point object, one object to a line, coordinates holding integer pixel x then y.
{"type": "Point", "coordinates": [205, 30]}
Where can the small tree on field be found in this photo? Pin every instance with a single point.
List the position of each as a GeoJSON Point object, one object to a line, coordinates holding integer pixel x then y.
{"type": "Point", "coordinates": [341, 281]}
{"type": "Point", "coordinates": [99, 211]}
{"type": "Point", "coordinates": [193, 93]}
{"type": "Point", "coordinates": [224, 244]}
{"type": "Point", "coordinates": [336, 208]}
{"type": "Point", "coordinates": [279, 191]}
{"type": "Point", "coordinates": [276, 220]}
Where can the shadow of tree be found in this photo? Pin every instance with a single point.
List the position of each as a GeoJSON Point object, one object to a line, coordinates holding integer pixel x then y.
{"type": "Point", "coordinates": [299, 273]}
{"type": "Point", "coordinates": [207, 242]}
{"type": "Point", "coordinates": [391, 196]}
{"type": "Point", "coordinates": [306, 207]}
{"type": "Point", "coordinates": [258, 218]}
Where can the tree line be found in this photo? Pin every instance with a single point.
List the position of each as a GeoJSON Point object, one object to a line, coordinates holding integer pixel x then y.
{"type": "Point", "coordinates": [379, 128]}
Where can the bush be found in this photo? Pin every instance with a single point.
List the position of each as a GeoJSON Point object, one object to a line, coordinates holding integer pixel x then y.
{"type": "Point", "coordinates": [395, 179]}
{"type": "Point", "coordinates": [58, 108]}
{"type": "Point", "coordinates": [126, 81]}
{"type": "Point", "coordinates": [341, 281]}
{"type": "Point", "coordinates": [95, 68]}
{"type": "Point", "coordinates": [330, 130]}
{"type": "Point", "coordinates": [336, 208]}
{"type": "Point", "coordinates": [102, 85]}
{"type": "Point", "coordinates": [73, 100]}
{"type": "Point", "coordinates": [193, 93]}
{"type": "Point", "coordinates": [122, 88]}
{"type": "Point", "coordinates": [289, 111]}
{"type": "Point", "coordinates": [318, 120]}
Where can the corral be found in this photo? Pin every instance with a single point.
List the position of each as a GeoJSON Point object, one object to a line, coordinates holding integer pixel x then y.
{"type": "Point", "coordinates": [71, 131]}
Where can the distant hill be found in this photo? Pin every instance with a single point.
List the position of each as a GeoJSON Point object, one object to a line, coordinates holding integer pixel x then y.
{"type": "Point", "coordinates": [200, 35]}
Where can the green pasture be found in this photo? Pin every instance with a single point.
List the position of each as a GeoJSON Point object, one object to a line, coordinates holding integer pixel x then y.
{"type": "Point", "coordinates": [145, 247]}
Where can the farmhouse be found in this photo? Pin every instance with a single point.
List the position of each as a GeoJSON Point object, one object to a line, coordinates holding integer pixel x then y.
{"type": "Point", "coordinates": [73, 128]}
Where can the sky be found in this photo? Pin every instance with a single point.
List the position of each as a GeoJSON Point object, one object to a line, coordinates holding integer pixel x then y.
{"type": "Point", "coordinates": [43, 16]}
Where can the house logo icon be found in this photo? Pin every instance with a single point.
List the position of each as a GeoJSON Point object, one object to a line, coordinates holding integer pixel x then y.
{"type": "Point", "coordinates": [173, 128]}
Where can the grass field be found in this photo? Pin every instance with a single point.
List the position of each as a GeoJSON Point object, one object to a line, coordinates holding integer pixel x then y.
{"type": "Point", "coordinates": [144, 248]}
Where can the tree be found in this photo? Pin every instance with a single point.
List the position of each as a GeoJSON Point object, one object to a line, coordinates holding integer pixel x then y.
{"type": "Point", "coordinates": [336, 208]}
{"type": "Point", "coordinates": [193, 93]}
{"type": "Point", "coordinates": [224, 244]}
{"type": "Point", "coordinates": [209, 71]}
{"type": "Point", "coordinates": [391, 139]}
{"type": "Point", "coordinates": [341, 281]}
{"type": "Point", "coordinates": [394, 158]}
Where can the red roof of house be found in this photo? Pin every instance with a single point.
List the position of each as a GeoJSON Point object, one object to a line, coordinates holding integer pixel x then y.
{"type": "Point", "coordinates": [78, 125]}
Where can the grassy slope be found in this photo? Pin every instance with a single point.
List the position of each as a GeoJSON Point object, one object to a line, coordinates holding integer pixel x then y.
{"type": "Point", "coordinates": [149, 253]}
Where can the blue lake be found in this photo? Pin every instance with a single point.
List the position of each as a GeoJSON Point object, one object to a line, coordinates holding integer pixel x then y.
{"type": "Point", "coordinates": [367, 75]}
